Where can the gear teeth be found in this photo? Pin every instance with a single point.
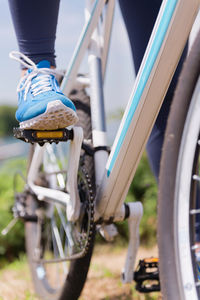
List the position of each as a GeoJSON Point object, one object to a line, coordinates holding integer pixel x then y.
{"type": "Point", "coordinates": [90, 210]}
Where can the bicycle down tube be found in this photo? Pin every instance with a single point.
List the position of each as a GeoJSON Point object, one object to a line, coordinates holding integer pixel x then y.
{"type": "Point", "coordinates": [159, 63]}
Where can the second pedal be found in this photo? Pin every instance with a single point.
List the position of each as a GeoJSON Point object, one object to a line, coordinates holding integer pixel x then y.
{"type": "Point", "coordinates": [147, 276]}
{"type": "Point", "coordinates": [43, 136]}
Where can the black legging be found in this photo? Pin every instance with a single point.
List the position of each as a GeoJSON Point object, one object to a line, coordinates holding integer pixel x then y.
{"type": "Point", "coordinates": [35, 25]}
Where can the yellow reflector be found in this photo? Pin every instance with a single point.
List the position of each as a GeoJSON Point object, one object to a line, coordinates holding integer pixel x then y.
{"type": "Point", "coordinates": [49, 134]}
{"type": "Point", "coordinates": [151, 260]}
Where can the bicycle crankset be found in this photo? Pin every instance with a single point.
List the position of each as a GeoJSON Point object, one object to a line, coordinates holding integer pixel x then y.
{"type": "Point", "coordinates": [146, 276]}
{"type": "Point", "coordinates": [43, 136]}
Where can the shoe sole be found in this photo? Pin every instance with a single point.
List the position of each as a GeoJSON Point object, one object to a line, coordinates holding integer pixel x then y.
{"type": "Point", "coordinates": [56, 116]}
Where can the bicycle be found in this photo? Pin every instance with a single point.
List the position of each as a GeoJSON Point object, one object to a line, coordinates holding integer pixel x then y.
{"type": "Point", "coordinates": [95, 194]}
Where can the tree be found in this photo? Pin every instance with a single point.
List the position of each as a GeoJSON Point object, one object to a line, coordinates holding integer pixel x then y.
{"type": "Point", "coordinates": [7, 120]}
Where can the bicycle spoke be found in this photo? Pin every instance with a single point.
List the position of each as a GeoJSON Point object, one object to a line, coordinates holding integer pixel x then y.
{"type": "Point", "coordinates": [58, 243]}
{"type": "Point", "coordinates": [57, 238]}
{"type": "Point", "coordinates": [61, 181]}
{"type": "Point", "coordinates": [55, 166]}
{"type": "Point", "coordinates": [65, 226]}
{"type": "Point", "coordinates": [196, 177]}
{"type": "Point", "coordinates": [55, 247]}
{"type": "Point", "coordinates": [62, 156]}
{"type": "Point", "coordinates": [197, 283]}
{"type": "Point", "coordinates": [195, 211]}
{"type": "Point", "coordinates": [194, 247]}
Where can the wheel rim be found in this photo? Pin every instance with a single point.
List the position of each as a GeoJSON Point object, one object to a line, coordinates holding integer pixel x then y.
{"type": "Point", "coordinates": [184, 230]}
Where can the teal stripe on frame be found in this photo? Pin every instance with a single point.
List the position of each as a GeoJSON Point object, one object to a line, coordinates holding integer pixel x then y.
{"type": "Point", "coordinates": [152, 56]}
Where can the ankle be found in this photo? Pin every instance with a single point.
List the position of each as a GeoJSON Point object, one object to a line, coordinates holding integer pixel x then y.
{"type": "Point", "coordinates": [23, 72]}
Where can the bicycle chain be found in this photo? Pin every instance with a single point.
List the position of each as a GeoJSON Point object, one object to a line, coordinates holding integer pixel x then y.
{"type": "Point", "coordinates": [89, 209]}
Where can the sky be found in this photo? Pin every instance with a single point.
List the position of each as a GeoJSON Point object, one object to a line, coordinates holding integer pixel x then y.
{"type": "Point", "coordinates": [119, 77]}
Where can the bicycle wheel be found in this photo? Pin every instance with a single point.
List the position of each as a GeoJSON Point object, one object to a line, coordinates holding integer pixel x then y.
{"type": "Point", "coordinates": [53, 237]}
{"type": "Point", "coordinates": [178, 187]}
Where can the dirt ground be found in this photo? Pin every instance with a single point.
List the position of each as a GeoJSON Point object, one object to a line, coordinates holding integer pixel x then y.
{"type": "Point", "coordinates": [103, 281]}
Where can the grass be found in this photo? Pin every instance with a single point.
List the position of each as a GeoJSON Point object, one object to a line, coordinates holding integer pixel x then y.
{"type": "Point", "coordinates": [12, 244]}
{"type": "Point", "coordinates": [19, 281]}
{"type": "Point", "coordinates": [102, 271]}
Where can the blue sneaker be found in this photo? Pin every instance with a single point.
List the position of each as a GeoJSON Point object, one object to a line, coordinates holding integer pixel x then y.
{"type": "Point", "coordinates": [41, 104]}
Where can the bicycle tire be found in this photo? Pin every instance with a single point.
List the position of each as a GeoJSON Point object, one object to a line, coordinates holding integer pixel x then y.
{"type": "Point", "coordinates": [171, 171]}
{"type": "Point", "coordinates": [78, 269]}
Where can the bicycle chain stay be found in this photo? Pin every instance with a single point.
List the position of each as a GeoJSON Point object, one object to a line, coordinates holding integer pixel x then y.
{"type": "Point", "coordinates": [147, 276]}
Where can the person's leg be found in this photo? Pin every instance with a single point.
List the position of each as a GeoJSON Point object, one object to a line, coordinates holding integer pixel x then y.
{"type": "Point", "coordinates": [139, 17]}
{"type": "Point", "coordinates": [35, 24]}
{"type": "Point", "coordinates": [42, 105]}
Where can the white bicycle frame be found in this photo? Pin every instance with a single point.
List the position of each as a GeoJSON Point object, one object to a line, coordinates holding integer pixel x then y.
{"type": "Point", "coordinates": [115, 172]}
{"type": "Point", "coordinates": [166, 44]}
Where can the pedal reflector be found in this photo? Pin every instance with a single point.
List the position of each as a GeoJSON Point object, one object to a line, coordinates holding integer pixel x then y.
{"type": "Point", "coordinates": [49, 134]}
{"type": "Point", "coordinates": [151, 260]}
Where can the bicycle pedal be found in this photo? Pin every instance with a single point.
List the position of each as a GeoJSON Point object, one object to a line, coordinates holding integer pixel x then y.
{"type": "Point", "coordinates": [146, 276]}
{"type": "Point", "coordinates": [43, 136]}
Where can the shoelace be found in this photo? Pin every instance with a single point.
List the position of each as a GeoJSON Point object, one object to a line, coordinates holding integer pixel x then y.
{"type": "Point", "coordinates": [43, 83]}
